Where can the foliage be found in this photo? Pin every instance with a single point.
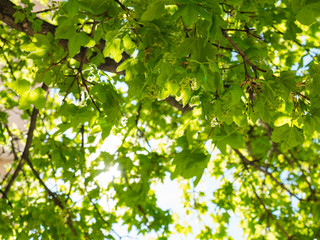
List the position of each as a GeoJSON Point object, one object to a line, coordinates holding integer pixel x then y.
{"type": "Point", "coordinates": [243, 76]}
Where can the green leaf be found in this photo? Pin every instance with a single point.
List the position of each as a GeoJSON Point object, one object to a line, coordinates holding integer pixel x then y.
{"type": "Point", "coordinates": [36, 25]}
{"type": "Point", "coordinates": [190, 164]}
{"type": "Point", "coordinates": [127, 65]}
{"type": "Point", "coordinates": [205, 72]}
{"type": "Point", "coordinates": [225, 135]}
{"type": "Point", "coordinates": [233, 95]}
{"type": "Point", "coordinates": [154, 11]}
{"type": "Point", "coordinates": [19, 16]}
{"type": "Point", "coordinates": [297, 4]}
{"type": "Point", "coordinates": [289, 137]}
{"type": "Point", "coordinates": [287, 84]}
{"type": "Point", "coordinates": [312, 123]}
{"type": "Point", "coordinates": [185, 94]}
{"type": "Point", "coordinates": [20, 86]}
{"type": "Point", "coordinates": [173, 48]}
{"type": "Point", "coordinates": [186, 47]}
{"type": "Point", "coordinates": [65, 28]}
{"type": "Point", "coordinates": [309, 13]}
{"type": "Point", "coordinates": [189, 13]}
{"type": "Point", "coordinates": [78, 40]}
{"type": "Point", "coordinates": [95, 7]}
{"type": "Point", "coordinates": [128, 43]}
{"type": "Point", "coordinates": [35, 97]}
{"type": "Point", "coordinates": [71, 7]}
{"type": "Point", "coordinates": [114, 49]}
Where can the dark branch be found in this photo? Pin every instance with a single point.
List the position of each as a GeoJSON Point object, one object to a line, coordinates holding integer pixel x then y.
{"type": "Point", "coordinates": [25, 153]}
{"type": "Point", "coordinates": [173, 102]}
{"type": "Point", "coordinates": [7, 9]}
{"type": "Point", "coordinates": [26, 149]}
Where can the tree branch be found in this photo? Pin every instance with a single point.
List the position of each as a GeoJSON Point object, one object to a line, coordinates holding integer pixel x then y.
{"type": "Point", "coordinates": [7, 9]}
{"type": "Point", "coordinates": [121, 5]}
{"type": "Point", "coordinates": [9, 65]}
{"type": "Point", "coordinates": [13, 148]}
{"type": "Point", "coordinates": [173, 102]}
{"type": "Point", "coordinates": [5, 196]}
{"type": "Point", "coordinates": [56, 200]}
{"type": "Point", "coordinates": [246, 30]}
{"type": "Point", "coordinates": [276, 150]}
{"type": "Point", "coordinates": [270, 214]}
{"type": "Point", "coordinates": [25, 151]}
{"type": "Point", "coordinates": [303, 172]}
{"type": "Point", "coordinates": [246, 162]}
{"type": "Point", "coordinates": [244, 56]}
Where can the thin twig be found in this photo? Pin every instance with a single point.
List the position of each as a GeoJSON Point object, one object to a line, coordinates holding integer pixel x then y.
{"type": "Point", "coordinates": [186, 30]}
{"type": "Point", "coordinates": [244, 56]}
{"type": "Point", "coordinates": [14, 154]}
{"type": "Point", "coordinates": [275, 148]}
{"type": "Point", "coordinates": [121, 5]}
{"type": "Point", "coordinates": [86, 50]}
{"type": "Point", "coordinates": [54, 196]}
{"type": "Point", "coordinates": [261, 169]}
{"type": "Point", "coordinates": [139, 130]}
{"type": "Point", "coordinates": [97, 210]}
{"type": "Point", "coordinates": [270, 214]}
{"type": "Point", "coordinates": [10, 67]}
{"type": "Point", "coordinates": [12, 143]}
{"type": "Point", "coordinates": [92, 100]}
{"type": "Point", "coordinates": [222, 47]}
{"type": "Point", "coordinates": [232, 8]}
{"type": "Point", "coordinates": [82, 137]}
{"type": "Point", "coordinates": [81, 65]}
{"type": "Point", "coordinates": [69, 89]}
{"type": "Point", "coordinates": [304, 174]}
{"type": "Point", "coordinates": [46, 10]}
{"type": "Point", "coordinates": [5, 196]}
{"type": "Point", "coordinates": [246, 30]}
{"type": "Point", "coordinates": [138, 114]}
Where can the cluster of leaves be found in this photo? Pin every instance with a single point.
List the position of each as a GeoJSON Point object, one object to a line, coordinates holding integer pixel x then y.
{"type": "Point", "coordinates": [241, 75]}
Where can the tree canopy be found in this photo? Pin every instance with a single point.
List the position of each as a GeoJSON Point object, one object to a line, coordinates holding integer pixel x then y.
{"type": "Point", "coordinates": [169, 78]}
